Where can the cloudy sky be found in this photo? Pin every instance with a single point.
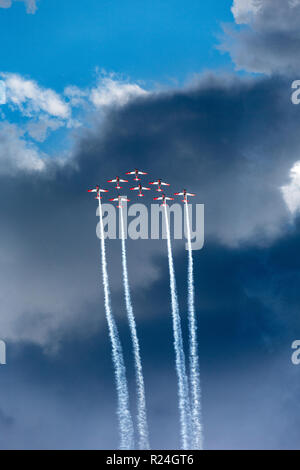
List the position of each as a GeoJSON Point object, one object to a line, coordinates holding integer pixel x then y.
{"type": "Point", "coordinates": [198, 94]}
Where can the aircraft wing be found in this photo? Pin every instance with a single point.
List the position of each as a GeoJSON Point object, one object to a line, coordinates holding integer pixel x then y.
{"type": "Point", "coordinates": [112, 181]}
{"type": "Point", "coordinates": [178, 194]}
{"type": "Point", "coordinates": [136, 188]}
{"type": "Point", "coordinates": [123, 181]}
{"type": "Point", "coordinates": [142, 173]}
{"type": "Point", "coordinates": [146, 189]}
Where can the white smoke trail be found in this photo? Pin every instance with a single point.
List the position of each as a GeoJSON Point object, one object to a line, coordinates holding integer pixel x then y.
{"type": "Point", "coordinates": [141, 400]}
{"type": "Point", "coordinates": [183, 389]}
{"type": "Point", "coordinates": [125, 419]}
{"type": "Point", "coordinates": [195, 385]}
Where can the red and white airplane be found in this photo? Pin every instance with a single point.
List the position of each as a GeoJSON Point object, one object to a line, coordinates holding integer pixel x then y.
{"type": "Point", "coordinates": [159, 183]}
{"type": "Point", "coordinates": [164, 199]}
{"type": "Point", "coordinates": [119, 199]}
{"type": "Point", "coordinates": [117, 180]}
{"type": "Point", "coordinates": [184, 193]}
{"type": "Point", "coordinates": [140, 188]}
{"type": "Point", "coordinates": [136, 172]}
{"type": "Point", "coordinates": [98, 190]}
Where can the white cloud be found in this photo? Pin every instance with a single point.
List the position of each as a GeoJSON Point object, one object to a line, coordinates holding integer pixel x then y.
{"type": "Point", "coordinates": [30, 98]}
{"type": "Point", "coordinates": [75, 95]}
{"type": "Point", "coordinates": [269, 40]}
{"type": "Point", "coordinates": [243, 10]}
{"type": "Point", "coordinates": [2, 92]}
{"type": "Point", "coordinates": [291, 192]}
{"type": "Point", "coordinates": [16, 154]}
{"type": "Point", "coordinates": [266, 14]}
{"type": "Point", "coordinates": [5, 3]}
{"type": "Point", "coordinates": [36, 102]}
{"type": "Point", "coordinates": [40, 129]}
{"type": "Point", "coordinates": [111, 92]}
{"type": "Point", "coordinates": [44, 111]}
{"type": "Point", "coordinates": [31, 6]}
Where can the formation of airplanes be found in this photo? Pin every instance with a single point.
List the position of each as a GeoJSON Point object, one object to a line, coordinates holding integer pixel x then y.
{"type": "Point", "coordinates": [159, 183]}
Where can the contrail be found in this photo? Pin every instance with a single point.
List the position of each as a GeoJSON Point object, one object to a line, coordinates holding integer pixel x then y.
{"type": "Point", "coordinates": [193, 348]}
{"type": "Point", "coordinates": [183, 389]}
{"type": "Point", "coordinates": [125, 419]}
{"type": "Point", "coordinates": [141, 403]}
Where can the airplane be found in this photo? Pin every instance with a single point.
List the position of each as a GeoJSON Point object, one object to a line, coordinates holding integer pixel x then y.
{"type": "Point", "coordinates": [140, 188]}
{"type": "Point", "coordinates": [98, 190]}
{"type": "Point", "coordinates": [117, 180]}
{"type": "Point", "coordinates": [184, 193]}
{"type": "Point", "coordinates": [159, 183]}
{"type": "Point", "coordinates": [119, 199]}
{"type": "Point", "coordinates": [136, 172]}
{"type": "Point", "coordinates": [163, 198]}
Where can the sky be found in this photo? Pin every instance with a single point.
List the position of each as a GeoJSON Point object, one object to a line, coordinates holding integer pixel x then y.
{"type": "Point", "coordinates": [64, 42]}
{"type": "Point", "coordinates": [198, 94]}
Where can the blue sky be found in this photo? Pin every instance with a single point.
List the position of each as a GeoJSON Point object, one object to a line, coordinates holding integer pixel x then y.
{"type": "Point", "coordinates": [64, 41]}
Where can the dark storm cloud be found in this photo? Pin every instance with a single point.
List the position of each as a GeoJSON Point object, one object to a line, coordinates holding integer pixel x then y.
{"type": "Point", "coordinates": [266, 38]}
{"type": "Point", "coordinates": [231, 141]}
{"type": "Point", "coordinates": [250, 388]}
{"type": "Point", "coordinates": [5, 420]}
